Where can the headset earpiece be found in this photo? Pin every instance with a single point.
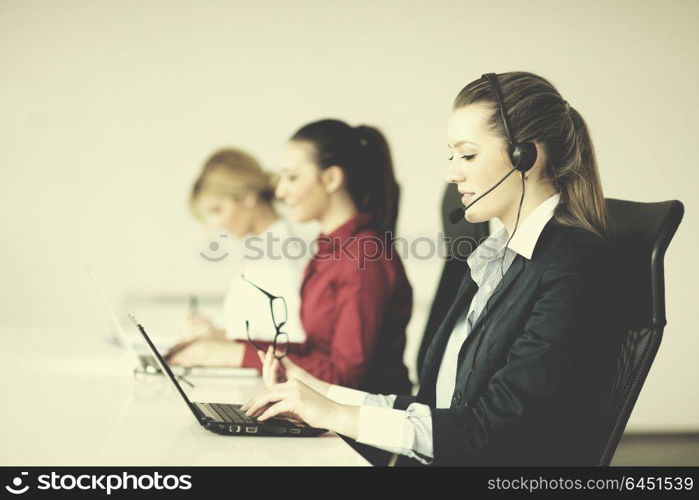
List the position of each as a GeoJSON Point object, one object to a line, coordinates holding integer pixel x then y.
{"type": "Point", "coordinates": [522, 154]}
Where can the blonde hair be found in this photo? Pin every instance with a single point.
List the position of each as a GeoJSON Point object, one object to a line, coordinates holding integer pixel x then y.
{"type": "Point", "coordinates": [234, 173]}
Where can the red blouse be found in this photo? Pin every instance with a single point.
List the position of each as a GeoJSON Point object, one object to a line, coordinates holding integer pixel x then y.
{"type": "Point", "coordinates": [356, 302]}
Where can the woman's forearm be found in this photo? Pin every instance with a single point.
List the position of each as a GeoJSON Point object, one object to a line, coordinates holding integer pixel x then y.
{"type": "Point", "coordinates": [319, 385]}
{"type": "Point", "coordinates": [344, 419]}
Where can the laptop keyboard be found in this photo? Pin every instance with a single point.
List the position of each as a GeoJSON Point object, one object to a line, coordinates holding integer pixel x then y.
{"type": "Point", "coordinates": [231, 413]}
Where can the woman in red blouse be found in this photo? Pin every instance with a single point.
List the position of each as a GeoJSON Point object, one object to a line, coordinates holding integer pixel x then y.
{"type": "Point", "coordinates": [355, 297]}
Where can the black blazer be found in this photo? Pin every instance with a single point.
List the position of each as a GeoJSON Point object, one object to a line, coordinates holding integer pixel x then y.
{"type": "Point", "coordinates": [533, 392]}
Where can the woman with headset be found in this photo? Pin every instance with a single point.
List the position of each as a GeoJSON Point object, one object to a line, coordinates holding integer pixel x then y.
{"type": "Point", "coordinates": [516, 373]}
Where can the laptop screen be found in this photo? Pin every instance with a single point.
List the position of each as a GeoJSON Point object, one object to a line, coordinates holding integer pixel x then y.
{"type": "Point", "coordinates": [112, 317]}
{"type": "Point", "coordinates": [163, 365]}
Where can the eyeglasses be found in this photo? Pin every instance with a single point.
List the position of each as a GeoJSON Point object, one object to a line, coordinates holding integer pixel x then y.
{"type": "Point", "coordinates": [277, 307]}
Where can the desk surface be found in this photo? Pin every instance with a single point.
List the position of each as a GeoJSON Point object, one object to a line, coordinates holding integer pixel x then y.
{"type": "Point", "coordinates": [71, 399]}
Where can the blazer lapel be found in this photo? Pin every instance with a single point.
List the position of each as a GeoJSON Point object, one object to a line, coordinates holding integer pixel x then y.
{"type": "Point", "coordinates": [434, 353]}
{"type": "Point", "coordinates": [511, 275]}
{"type": "Point", "coordinates": [433, 357]}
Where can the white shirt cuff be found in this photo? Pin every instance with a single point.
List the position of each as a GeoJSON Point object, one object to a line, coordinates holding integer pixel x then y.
{"type": "Point", "coordinates": [383, 427]}
{"type": "Point", "coordinates": [345, 395]}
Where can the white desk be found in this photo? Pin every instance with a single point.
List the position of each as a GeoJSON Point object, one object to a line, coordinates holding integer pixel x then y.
{"type": "Point", "coordinates": [70, 399]}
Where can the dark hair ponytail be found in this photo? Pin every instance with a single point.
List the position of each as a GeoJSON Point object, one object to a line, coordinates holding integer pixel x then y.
{"type": "Point", "coordinates": [364, 156]}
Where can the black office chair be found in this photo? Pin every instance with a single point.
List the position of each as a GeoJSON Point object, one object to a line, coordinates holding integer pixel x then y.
{"type": "Point", "coordinates": [454, 267]}
{"type": "Point", "coordinates": [641, 232]}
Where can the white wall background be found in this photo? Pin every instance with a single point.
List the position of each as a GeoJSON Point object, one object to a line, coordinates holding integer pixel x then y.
{"type": "Point", "coordinates": [107, 110]}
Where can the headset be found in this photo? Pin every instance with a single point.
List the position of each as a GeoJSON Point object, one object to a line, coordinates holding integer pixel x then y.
{"type": "Point", "coordinates": [523, 156]}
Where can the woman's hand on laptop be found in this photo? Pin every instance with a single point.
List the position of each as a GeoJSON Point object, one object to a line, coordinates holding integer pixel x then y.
{"type": "Point", "coordinates": [296, 400]}
{"type": "Point", "coordinates": [275, 371]}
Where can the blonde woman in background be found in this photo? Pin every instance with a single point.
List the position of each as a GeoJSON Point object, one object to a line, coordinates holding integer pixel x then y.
{"type": "Point", "coordinates": [235, 195]}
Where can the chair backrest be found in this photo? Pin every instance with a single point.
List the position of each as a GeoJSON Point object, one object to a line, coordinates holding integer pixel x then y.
{"type": "Point", "coordinates": [640, 232]}
{"type": "Point", "coordinates": [454, 267]}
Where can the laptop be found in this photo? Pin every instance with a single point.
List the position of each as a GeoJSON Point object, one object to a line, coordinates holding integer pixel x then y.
{"type": "Point", "coordinates": [223, 418]}
{"type": "Point", "coordinates": [146, 363]}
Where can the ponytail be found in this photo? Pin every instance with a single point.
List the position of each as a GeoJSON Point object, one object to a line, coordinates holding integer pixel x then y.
{"type": "Point", "coordinates": [582, 201]}
{"type": "Point", "coordinates": [381, 192]}
{"type": "Point", "coordinates": [364, 156]}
